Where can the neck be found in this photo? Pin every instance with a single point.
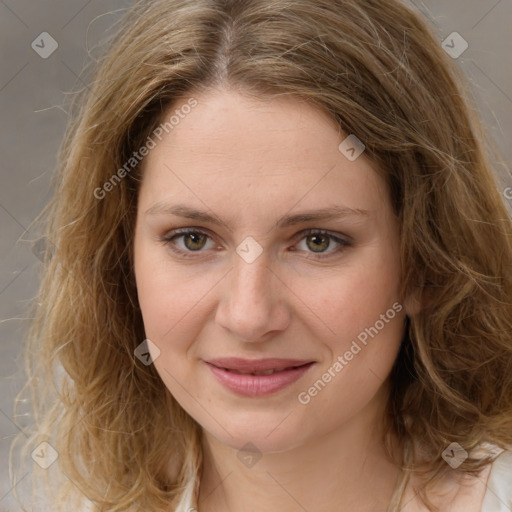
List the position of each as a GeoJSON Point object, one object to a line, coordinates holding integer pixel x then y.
{"type": "Point", "coordinates": [344, 470]}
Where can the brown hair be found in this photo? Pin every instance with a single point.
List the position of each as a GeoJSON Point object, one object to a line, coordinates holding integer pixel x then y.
{"type": "Point", "coordinates": [377, 70]}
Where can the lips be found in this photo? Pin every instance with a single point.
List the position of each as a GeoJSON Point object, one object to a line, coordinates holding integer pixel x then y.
{"type": "Point", "coordinates": [258, 378]}
{"type": "Point", "coordinates": [258, 366]}
{"type": "Point", "coordinates": [264, 372]}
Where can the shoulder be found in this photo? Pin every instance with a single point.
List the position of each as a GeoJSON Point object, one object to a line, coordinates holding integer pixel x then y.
{"type": "Point", "coordinates": [498, 496]}
{"type": "Point", "coordinates": [490, 491]}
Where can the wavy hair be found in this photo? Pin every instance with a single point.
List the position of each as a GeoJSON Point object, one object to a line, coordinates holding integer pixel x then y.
{"type": "Point", "coordinates": [376, 69]}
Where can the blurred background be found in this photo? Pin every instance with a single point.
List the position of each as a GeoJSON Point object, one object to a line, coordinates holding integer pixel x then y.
{"type": "Point", "coordinates": [44, 47]}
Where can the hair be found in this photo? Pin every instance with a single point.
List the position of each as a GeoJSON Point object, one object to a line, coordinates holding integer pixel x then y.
{"type": "Point", "coordinates": [376, 69]}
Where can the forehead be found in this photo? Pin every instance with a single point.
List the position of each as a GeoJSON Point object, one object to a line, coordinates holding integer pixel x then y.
{"type": "Point", "coordinates": [260, 153]}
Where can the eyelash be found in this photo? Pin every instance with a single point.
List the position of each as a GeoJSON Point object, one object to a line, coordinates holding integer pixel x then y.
{"type": "Point", "coordinates": [167, 240]}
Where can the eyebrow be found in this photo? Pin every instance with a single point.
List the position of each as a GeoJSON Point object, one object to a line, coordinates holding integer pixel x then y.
{"type": "Point", "coordinates": [330, 213]}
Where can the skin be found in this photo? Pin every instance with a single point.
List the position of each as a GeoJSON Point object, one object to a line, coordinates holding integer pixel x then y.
{"type": "Point", "coordinates": [250, 162]}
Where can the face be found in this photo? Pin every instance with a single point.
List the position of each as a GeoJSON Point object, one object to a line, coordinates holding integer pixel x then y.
{"type": "Point", "coordinates": [257, 238]}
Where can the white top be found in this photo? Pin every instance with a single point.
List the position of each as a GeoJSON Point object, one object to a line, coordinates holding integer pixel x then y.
{"type": "Point", "coordinates": [498, 497]}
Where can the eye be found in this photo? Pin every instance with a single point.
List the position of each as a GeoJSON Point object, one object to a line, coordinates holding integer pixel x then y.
{"type": "Point", "coordinates": [319, 240]}
{"type": "Point", "coordinates": [193, 240]}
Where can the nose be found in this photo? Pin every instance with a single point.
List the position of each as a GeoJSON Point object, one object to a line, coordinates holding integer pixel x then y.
{"type": "Point", "coordinates": [253, 302]}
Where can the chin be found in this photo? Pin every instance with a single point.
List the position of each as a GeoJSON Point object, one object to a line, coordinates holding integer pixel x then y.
{"type": "Point", "coordinates": [260, 439]}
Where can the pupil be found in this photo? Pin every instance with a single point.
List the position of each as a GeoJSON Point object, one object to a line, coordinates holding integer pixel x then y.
{"type": "Point", "coordinates": [318, 246]}
{"type": "Point", "coordinates": [196, 239]}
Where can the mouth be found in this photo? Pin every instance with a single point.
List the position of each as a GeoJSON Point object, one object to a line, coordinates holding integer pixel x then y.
{"type": "Point", "coordinates": [258, 377]}
{"type": "Point", "coordinates": [266, 366]}
{"type": "Point", "coordinates": [266, 372]}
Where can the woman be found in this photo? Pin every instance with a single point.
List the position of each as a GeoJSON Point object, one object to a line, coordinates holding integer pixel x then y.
{"type": "Point", "coordinates": [282, 271]}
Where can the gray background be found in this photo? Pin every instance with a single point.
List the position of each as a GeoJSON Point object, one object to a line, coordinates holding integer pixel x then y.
{"type": "Point", "coordinates": [33, 116]}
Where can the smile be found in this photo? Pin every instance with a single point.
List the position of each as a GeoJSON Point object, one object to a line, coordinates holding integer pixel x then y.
{"type": "Point", "coordinates": [258, 382]}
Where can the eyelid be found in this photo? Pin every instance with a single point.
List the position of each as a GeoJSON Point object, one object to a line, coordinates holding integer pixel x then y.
{"type": "Point", "coordinates": [340, 237]}
{"type": "Point", "coordinates": [343, 241]}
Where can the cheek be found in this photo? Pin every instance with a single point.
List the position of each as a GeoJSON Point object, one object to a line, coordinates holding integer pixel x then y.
{"type": "Point", "coordinates": [354, 296]}
{"type": "Point", "coordinates": [170, 299]}
{"type": "Point", "coordinates": [366, 327]}
{"type": "Point", "coordinates": [153, 288]}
